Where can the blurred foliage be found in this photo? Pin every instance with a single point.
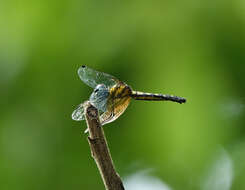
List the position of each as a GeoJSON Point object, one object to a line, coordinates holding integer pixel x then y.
{"type": "Point", "coordinates": [188, 48]}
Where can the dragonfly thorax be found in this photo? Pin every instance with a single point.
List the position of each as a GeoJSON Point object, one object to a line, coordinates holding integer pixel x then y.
{"type": "Point", "coordinates": [120, 90]}
{"type": "Point", "coordinates": [99, 97]}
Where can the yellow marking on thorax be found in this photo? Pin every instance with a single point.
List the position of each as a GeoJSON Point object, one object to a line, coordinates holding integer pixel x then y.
{"type": "Point", "coordinates": [119, 98]}
{"type": "Point", "coordinates": [120, 90]}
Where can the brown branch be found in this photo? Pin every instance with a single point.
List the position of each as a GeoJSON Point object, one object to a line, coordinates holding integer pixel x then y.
{"type": "Point", "coordinates": [100, 151]}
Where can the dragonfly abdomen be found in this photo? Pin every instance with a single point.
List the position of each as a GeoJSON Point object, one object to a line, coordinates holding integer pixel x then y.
{"type": "Point", "coordinates": [156, 97]}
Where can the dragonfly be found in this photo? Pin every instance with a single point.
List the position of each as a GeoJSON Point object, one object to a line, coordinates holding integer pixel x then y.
{"type": "Point", "coordinates": [112, 96]}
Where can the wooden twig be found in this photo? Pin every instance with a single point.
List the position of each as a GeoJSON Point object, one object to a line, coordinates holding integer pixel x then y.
{"type": "Point", "coordinates": [100, 151]}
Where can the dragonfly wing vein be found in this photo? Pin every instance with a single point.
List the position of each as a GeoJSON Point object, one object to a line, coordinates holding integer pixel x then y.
{"type": "Point", "coordinates": [78, 113]}
{"type": "Point", "coordinates": [92, 77]}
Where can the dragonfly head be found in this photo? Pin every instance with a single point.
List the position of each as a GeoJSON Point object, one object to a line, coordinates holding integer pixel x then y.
{"type": "Point", "coordinates": [99, 97]}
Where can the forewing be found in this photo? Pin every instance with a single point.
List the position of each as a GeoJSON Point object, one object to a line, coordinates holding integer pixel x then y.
{"type": "Point", "coordinates": [78, 113]}
{"type": "Point", "coordinates": [92, 77]}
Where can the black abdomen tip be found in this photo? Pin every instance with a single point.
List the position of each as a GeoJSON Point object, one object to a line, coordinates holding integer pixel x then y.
{"type": "Point", "coordinates": [180, 100]}
{"type": "Point", "coordinates": [176, 99]}
{"type": "Point", "coordinates": [183, 100]}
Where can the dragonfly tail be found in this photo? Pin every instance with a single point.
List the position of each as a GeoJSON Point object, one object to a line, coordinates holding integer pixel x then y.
{"type": "Point", "coordinates": [156, 97]}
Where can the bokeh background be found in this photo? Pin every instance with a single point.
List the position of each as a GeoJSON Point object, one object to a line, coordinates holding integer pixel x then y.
{"type": "Point", "coordinates": [194, 49]}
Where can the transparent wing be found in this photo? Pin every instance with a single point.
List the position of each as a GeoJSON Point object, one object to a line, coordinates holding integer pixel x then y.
{"type": "Point", "coordinates": [78, 113]}
{"type": "Point", "coordinates": [107, 117]}
{"type": "Point", "coordinates": [92, 78]}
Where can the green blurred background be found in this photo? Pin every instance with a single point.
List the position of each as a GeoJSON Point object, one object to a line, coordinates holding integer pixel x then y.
{"type": "Point", "coordinates": [194, 49]}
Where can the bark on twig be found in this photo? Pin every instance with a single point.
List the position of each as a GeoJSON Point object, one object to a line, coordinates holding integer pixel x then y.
{"type": "Point", "coordinates": [100, 151]}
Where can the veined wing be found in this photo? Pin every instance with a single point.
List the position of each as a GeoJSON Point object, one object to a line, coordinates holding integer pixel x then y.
{"type": "Point", "coordinates": [92, 77]}
{"type": "Point", "coordinates": [78, 113]}
{"type": "Point", "coordinates": [107, 117]}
